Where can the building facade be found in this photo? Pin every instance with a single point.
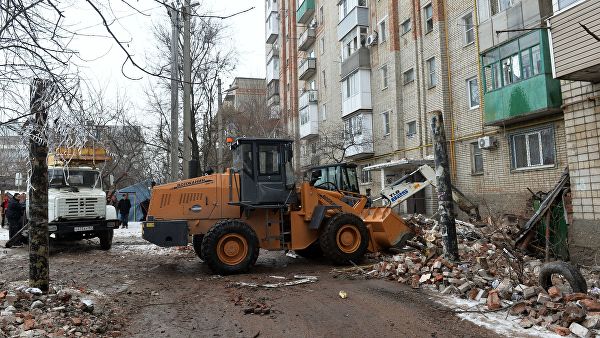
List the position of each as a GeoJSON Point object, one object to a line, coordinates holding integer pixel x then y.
{"type": "Point", "coordinates": [245, 92]}
{"type": "Point", "coordinates": [370, 73]}
{"type": "Point", "coordinates": [574, 35]}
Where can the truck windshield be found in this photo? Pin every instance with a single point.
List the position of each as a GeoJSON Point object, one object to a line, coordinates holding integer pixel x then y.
{"type": "Point", "coordinates": [75, 178]}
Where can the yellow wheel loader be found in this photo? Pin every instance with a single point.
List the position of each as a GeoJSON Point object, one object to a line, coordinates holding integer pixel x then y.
{"type": "Point", "coordinates": [256, 204]}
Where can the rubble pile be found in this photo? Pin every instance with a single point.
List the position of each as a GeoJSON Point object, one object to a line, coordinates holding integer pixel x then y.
{"type": "Point", "coordinates": [63, 312]}
{"type": "Point", "coordinates": [490, 273]}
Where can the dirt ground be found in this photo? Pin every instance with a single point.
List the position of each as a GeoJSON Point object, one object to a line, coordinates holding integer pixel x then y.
{"type": "Point", "coordinates": [171, 293]}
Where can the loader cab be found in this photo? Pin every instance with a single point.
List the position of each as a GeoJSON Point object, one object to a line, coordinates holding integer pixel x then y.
{"type": "Point", "coordinates": [340, 176]}
{"type": "Point", "coordinates": [265, 169]}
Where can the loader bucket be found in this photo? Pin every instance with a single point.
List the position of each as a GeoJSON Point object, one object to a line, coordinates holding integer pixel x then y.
{"type": "Point", "coordinates": [386, 228]}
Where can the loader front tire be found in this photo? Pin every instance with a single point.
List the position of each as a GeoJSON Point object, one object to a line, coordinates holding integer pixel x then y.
{"type": "Point", "coordinates": [345, 238]}
{"type": "Point", "coordinates": [230, 247]}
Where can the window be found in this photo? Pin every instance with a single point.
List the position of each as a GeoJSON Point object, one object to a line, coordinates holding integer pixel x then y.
{"type": "Point", "coordinates": [483, 9]}
{"type": "Point", "coordinates": [469, 28]}
{"type": "Point", "coordinates": [517, 60]}
{"type": "Point", "coordinates": [268, 160]}
{"type": "Point", "coordinates": [353, 127]}
{"type": "Point", "coordinates": [324, 112]}
{"type": "Point", "coordinates": [411, 128]}
{"type": "Point", "coordinates": [382, 31]}
{"type": "Point", "coordinates": [324, 78]}
{"type": "Point", "coordinates": [533, 148]}
{"type": "Point", "coordinates": [431, 78]}
{"type": "Point", "coordinates": [321, 15]}
{"type": "Point", "coordinates": [408, 76]}
{"type": "Point", "coordinates": [351, 85]}
{"type": "Point", "coordinates": [473, 93]}
{"type": "Point", "coordinates": [384, 77]}
{"type": "Point", "coordinates": [406, 26]}
{"type": "Point", "coordinates": [476, 159]}
{"type": "Point", "coordinates": [312, 84]}
{"type": "Point", "coordinates": [322, 46]}
{"type": "Point", "coordinates": [428, 12]}
{"type": "Point", "coordinates": [386, 122]}
{"type": "Point", "coordinates": [304, 116]}
{"type": "Point", "coordinates": [565, 3]}
{"type": "Point", "coordinates": [365, 176]}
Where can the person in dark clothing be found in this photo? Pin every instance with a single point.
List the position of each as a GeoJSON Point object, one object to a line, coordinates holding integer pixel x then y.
{"type": "Point", "coordinates": [145, 205]}
{"type": "Point", "coordinates": [4, 207]}
{"type": "Point", "coordinates": [123, 206]}
{"type": "Point", "coordinates": [14, 214]}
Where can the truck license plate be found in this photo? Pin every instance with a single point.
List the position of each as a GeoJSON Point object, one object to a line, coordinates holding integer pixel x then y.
{"type": "Point", "coordinates": [89, 228]}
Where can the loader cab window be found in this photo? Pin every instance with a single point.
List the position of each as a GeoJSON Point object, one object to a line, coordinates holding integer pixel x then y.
{"type": "Point", "coordinates": [268, 160]}
{"type": "Point", "coordinates": [242, 159]}
{"type": "Point", "coordinates": [343, 176]}
{"type": "Point", "coordinates": [352, 179]}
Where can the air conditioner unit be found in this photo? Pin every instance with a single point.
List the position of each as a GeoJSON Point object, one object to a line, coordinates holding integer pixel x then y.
{"type": "Point", "coordinates": [487, 142]}
{"type": "Point", "coordinates": [372, 39]}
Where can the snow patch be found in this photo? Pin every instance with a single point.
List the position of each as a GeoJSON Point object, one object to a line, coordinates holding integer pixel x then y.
{"type": "Point", "coordinates": [498, 322]}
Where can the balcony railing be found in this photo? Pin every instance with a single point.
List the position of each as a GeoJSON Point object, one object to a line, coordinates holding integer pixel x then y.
{"type": "Point", "coordinates": [307, 68]}
{"type": "Point", "coordinates": [273, 52]}
{"type": "Point", "coordinates": [309, 121]}
{"type": "Point", "coordinates": [273, 88]}
{"type": "Point", "coordinates": [360, 59]}
{"type": "Point", "coordinates": [305, 11]}
{"type": "Point", "coordinates": [306, 39]}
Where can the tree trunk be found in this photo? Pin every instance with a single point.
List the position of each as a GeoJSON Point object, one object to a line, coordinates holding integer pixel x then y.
{"type": "Point", "coordinates": [444, 188]}
{"type": "Point", "coordinates": [39, 272]}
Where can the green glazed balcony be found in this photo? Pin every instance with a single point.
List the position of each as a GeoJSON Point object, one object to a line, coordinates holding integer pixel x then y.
{"type": "Point", "coordinates": [305, 11]}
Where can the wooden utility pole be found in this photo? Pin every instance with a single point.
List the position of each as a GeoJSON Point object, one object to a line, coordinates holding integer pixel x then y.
{"type": "Point", "coordinates": [444, 188]}
{"type": "Point", "coordinates": [174, 94]}
{"type": "Point", "coordinates": [39, 271]}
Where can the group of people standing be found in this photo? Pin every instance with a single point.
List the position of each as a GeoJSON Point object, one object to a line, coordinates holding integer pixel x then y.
{"type": "Point", "coordinates": [123, 206]}
{"type": "Point", "coordinates": [13, 213]}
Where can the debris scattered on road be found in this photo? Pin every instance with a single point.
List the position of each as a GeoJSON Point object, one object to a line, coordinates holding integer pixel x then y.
{"type": "Point", "coordinates": [291, 253]}
{"type": "Point", "coordinates": [343, 294]}
{"type": "Point", "coordinates": [491, 273]}
{"type": "Point", "coordinates": [299, 280]}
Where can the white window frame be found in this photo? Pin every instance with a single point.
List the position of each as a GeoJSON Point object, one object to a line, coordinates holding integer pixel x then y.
{"type": "Point", "coordinates": [324, 112]}
{"type": "Point", "coordinates": [384, 77]}
{"type": "Point", "coordinates": [431, 72]}
{"type": "Point", "coordinates": [425, 19]}
{"type": "Point", "coordinates": [385, 118]}
{"type": "Point", "coordinates": [408, 132]}
{"type": "Point", "coordinates": [469, 99]}
{"type": "Point", "coordinates": [403, 25]}
{"type": "Point", "coordinates": [474, 146]}
{"type": "Point", "coordinates": [321, 15]}
{"type": "Point", "coordinates": [382, 30]}
{"type": "Point", "coordinates": [322, 46]}
{"type": "Point", "coordinates": [467, 29]}
{"type": "Point", "coordinates": [365, 176]}
{"type": "Point", "coordinates": [527, 133]}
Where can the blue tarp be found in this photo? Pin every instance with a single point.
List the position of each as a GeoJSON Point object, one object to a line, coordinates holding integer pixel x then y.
{"type": "Point", "coordinates": [138, 193]}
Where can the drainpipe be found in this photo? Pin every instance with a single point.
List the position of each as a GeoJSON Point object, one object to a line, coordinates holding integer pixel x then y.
{"type": "Point", "coordinates": [479, 77]}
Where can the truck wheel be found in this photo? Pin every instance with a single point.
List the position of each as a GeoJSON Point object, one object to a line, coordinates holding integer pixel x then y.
{"type": "Point", "coordinates": [344, 239]}
{"type": "Point", "coordinates": [106, 238]}
{"type": "Point", "coordinates": [197, 244]}
{"type": "Point", "coordinates": [313, 251]}
{"type": "Point", "coordinates": [230, 247]}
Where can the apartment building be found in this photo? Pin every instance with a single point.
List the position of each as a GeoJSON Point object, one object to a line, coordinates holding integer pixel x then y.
{"type": "Point", "coordinates": [245, 92]}
{"type": "Point", "coordinates": [376, 70]}
{"type": "Point", "coordinates": [574, 35]}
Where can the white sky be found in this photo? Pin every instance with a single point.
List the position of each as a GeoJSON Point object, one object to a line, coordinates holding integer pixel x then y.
{"type": "Point", "coordinates": [103, 57]}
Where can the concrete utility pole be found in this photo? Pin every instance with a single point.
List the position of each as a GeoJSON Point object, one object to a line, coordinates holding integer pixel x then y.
{"type": "Point", "coordinates": [174, 93]}
{"type": "Point", "coordinates": [187, 79]}
{"type": "Point", "coordinates": [219, 128]}
{"type": "Point", "coordinates": [39, 271]}
{"type": "Point", "coordinates": [444, 188]}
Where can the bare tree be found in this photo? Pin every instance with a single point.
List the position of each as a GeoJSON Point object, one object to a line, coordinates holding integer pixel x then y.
{"type": "Point", "coordinates": [336, 142]}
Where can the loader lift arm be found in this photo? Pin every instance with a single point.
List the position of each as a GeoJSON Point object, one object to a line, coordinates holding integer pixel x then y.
{"type": "Point", "coordinates": [400, 190]}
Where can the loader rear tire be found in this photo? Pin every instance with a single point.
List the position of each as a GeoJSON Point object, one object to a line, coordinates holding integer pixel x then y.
{"type": "Point", "coordinates": [230, 247]}
{"type": "Point", "coordinates": [197, 244]}
{"type": "Point", "coordinates": [344, 239]}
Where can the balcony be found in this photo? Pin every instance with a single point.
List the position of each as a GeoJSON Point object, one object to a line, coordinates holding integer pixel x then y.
{"type": "Point", "coordinates": [575, 51]}
{"type": "Point", "coordinates": [360, 59]}
{"type": "Point", "coordinates": [358, 16]}
{"type": "Point", "coordinates": [272, 27]}
{"type": "Point", "coordinates": [305, 11]}
{"type": "Point", "coordinates": [359, 142]}
{"type": "Point", "coordinates": [275, 112]}
{"type": "Point", "coordinates": [273, 100]}
{"type": "Point", "coordinates": [273, 52]}
{"type": "Point", "coordinates": [306, 39]}
{"type": "Point", "coordinates": [309, 115]}
{"type": "Point", "coordinates": [272, 70]}
{"type": "Point", "coordinates": [518, 82]}
{"type": "Point", "coordinates": [270, 6]}
{"type": "Point", "coordinates": [356, 92]}
{"type": "Point", "coordinates": [307, 68]}
{"type": "Point", "coordinates": [273, 89]}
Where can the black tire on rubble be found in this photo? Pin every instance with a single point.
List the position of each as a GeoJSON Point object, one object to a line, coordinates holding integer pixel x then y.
{"type": "Point", "coordinates": [106, 238]}
{"type": "Point", "coordinates": [197, 244]}
{"type": "Point", "coordinates": [568, 271]}
{"type": "Point", "coordinates": [345, 238]}
{"type": "Point", "coordinates": [313, 251]}
{"type": "Point", "coordinates": [230, 247]}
